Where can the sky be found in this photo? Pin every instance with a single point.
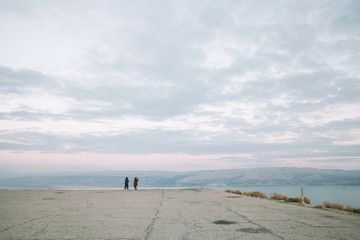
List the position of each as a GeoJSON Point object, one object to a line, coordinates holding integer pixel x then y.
{"type": "Point", "coordinates": [179, 85]}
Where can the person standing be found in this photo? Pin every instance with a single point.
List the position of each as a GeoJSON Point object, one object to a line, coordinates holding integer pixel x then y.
{"type": "Point", "coordinates": [126, 183]}
{"type": "Point", "coordinates": [136, 183]}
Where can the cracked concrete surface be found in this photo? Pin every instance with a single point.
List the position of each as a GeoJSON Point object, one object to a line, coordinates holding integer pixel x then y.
{"type": "Point", "coordinates": [164, 214]}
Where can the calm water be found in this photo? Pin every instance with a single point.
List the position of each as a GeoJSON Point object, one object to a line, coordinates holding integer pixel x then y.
{"type": "Point", "coordinates": [344, 194]}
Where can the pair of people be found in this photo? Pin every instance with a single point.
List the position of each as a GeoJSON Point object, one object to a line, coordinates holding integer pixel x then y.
{"type": "Point", "coordinates": [136, 180]}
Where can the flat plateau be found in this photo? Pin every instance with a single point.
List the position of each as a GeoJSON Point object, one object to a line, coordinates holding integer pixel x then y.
{"type": "Point", "coordinates": [164, 214]}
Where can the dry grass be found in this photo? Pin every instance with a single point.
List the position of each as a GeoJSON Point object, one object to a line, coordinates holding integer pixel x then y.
{"type": "Point", "coordinates": [238, 192]}
{"type": "Point", "coordinates": [337, 206]}
{"type": "Point", "coordinates": [256, 194]}
{"type": "Point", "coordinates": [233, 191]}
{"type": "Point", "coordinates": [295, 199]}
{"type": "Point", "coordinates": [349, 209]}
{"type": "Point", "coordinates": [353, 210]}
{"type": "Point", "coordinates": [278, 196]}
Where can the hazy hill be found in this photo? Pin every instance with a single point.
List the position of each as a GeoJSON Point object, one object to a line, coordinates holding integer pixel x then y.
{"type": "Point", "coordinates": [220, 178]}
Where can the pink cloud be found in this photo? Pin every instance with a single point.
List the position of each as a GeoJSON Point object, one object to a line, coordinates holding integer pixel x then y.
{"type": "Point", "coordinates": [36, 161]}
{"type": "Point", "coordinates": [332, 162]}
{"type": "Point", "coordinates": [98, 161]}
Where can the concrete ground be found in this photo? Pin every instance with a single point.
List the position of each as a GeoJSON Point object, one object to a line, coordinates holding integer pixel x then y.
{"type": "Point", "coordinates": [164, 214]}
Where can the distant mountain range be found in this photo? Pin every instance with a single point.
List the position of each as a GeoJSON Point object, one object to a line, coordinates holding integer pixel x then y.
{"type": "Point", "coordinates": [214, 178]}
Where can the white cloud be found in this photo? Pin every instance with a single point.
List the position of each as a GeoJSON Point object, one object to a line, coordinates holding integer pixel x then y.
{"type": "Point", "coordinates": [40, 101]}
{"type": "Point", "coordinates": [35, 101]}
{"type": "Point", "coordinates": [342, 137]}
{"type": "Point", "coordinates": [181, 76]}
{"type": "Point", "coordinates": [249, 112]}
{"type": "Point", "coordinates": [331, 113]}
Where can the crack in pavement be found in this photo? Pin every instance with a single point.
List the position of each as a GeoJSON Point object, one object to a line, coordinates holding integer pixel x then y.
{"type": "Point", "coordinates": [18, 225]}
{"type": "Point", "coordinates": [43, 230]}
{"type": "Point", "coordinates": [257, 224]}
{"type": "Point", "coordinates": [31, 221]}
{"type": "Point", "coordinates": [191, 227]}
{"type": "Point", "coordinates": [150, 228]}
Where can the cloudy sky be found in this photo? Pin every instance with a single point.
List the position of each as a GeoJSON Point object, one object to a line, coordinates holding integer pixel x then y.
{"type": "Point", "coordinates": [179, 85]}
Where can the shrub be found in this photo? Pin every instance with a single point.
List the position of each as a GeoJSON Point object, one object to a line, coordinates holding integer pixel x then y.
{"type": "Point", "coordinates": [353, 210]}
{"type": "Point", "coordinates": [238, 192]}
{"type": "Point", "coordinates": [295, 199]}
{"type": "Point", "coordinates": [256, 194]}
{"type": "Point", "coordinates": [277, 196]}
{"type": "Point", "coordinates": [318, 206]}
{"type": "Point", "coordinates": [233, 191]}
{"type": "Point", "coordinates": [349, 209]}
{"type": "Point", "coordinates": [337, 206]}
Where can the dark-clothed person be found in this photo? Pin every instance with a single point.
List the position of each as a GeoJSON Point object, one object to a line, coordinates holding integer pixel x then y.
{"type": "Point", "coordinates": [136, 183]}
{"type": "Point", "coordinates": [126, 183]}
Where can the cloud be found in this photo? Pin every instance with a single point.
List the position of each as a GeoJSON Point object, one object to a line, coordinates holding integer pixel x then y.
{"type": "Point", "coordinates": [274, 81]}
